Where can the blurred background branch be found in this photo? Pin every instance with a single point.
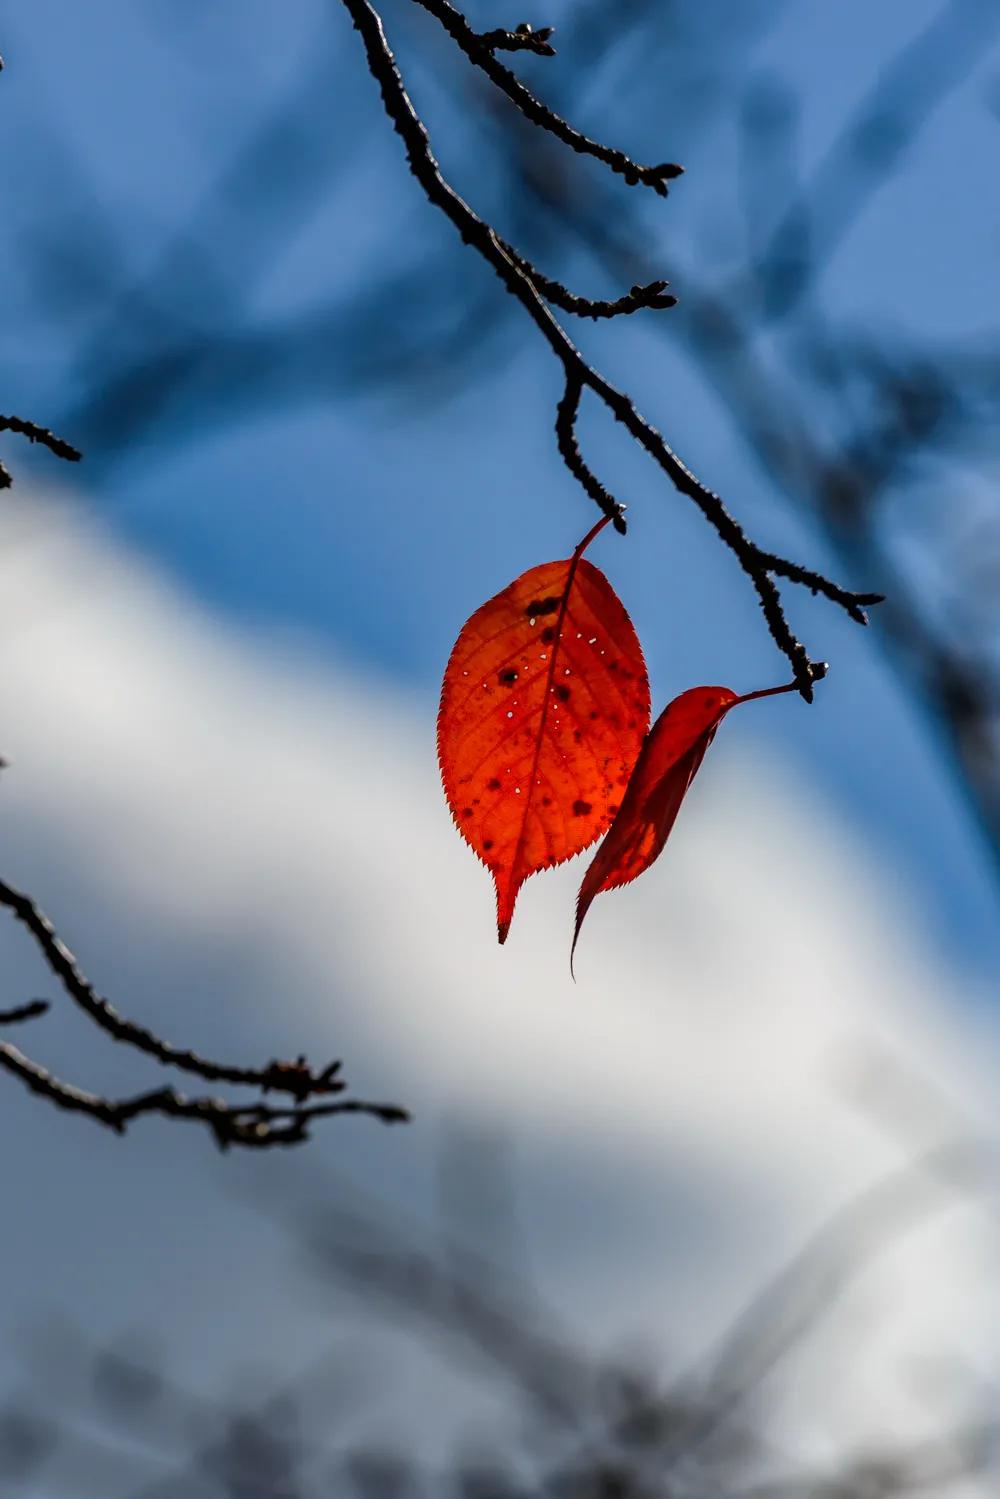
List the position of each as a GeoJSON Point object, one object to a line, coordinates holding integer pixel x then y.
{"type": "Point", "coordinates": [556, 1418]}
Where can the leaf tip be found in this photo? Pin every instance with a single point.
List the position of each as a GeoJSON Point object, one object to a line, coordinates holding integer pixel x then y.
{"type": "Point", "coordinates": [582, 907]}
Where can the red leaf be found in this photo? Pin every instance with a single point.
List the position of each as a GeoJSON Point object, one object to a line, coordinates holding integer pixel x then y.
{"type": "Point", "coordinates": [544, 708]}
{"type": "Point", "coordinates": [667, 764]}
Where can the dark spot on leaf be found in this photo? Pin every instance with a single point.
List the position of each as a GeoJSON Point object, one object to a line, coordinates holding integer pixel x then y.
{"type": "Point", "coordinates": [493, 784]}
{"type": "Point", "coordinates": [612, 666]}
{"type": "Point", "coordinates": [612, 808]}
{"type": "Point", "coordinates": [563, 693]}
{"type": "Point", "coordinates": [581, 808]}
{"type": "Point", "coordinates": [508, 676]}
{"type": "Point", "coordinates": [466, 811]}
{"type": "Point", "coordinates": [577, 736]}
{"type": "Point", "coordinates": [546, 801]}
{"type": "Point", "coordinates": [549, 634]}
{"type": "Point", "coordinates": [487, 844]}
{"type": "Point", "coordinates": [593, 713]}
{"type": "Point", "coordinates": [542, 606]}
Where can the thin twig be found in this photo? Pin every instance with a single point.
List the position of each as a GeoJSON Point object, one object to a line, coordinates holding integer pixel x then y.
{"type": "Point", "coordinates": [760, 567]}
{"type": "Point", "coordinates": [475, 49]}
{"type": "Point", "coordinates": [31, 1011]}
{"type": "Point", "coordinates": [255, 1125]}
{"type": "Point", "coordinates": [295, 1078]}
{"type": "Point", "coordinates": [650, 296]}
{"type": "Point", "coordinates": [522, 39]}
{"type": "Point", "coordinates": [566, 414]}
{"type": "Point", "coordinates": [816, 583]}
{"type": "Point", "coordinates": [34, 433]}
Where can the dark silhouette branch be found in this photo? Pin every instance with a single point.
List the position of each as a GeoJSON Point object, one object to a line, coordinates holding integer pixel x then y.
{"type": "Point", "coordinates": [294, 1078]}
{"type": "Point", "coordinates": [34, 433]}
{"type": "Point", "coordinates": [566, 414]}
{"type": "Point", "coordinates": [254, 1125]}
{"type": "Point", "coordinates": [479, 52]}
{"type": "Point", "coordinates": [522, 39]}
{"type": "Point", "coordinates": [760, 567]}
{"type": "Point", "coordinates": [31, 1011]}
{"type": "Point", "coordinates": [649, 296]}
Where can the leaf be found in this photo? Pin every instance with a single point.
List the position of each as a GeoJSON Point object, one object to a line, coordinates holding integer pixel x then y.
{"type": "Point", "coordinates": [667, 764]}
{"type": "Point", "coordinates": [544, 708]}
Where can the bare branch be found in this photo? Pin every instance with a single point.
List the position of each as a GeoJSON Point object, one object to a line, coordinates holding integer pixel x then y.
{"type": "Point", "coordinates": [817, 584]}
{"type": "Point", "coordinates": [31, 1011]}
{"type": "Point", "coordinates": [255, 1125]}
{"type": "Point", "coordinates": [479, 52]}
{"type": "Point", "coordinates": [566, 415]}
{"type": "Point", "coordinates": [295, 1078]}
{"type": "Point", "coordinates": [760, 567]}
{"type": "Point", "coordinates": [34, 433]}
{"type": "Point", "coordinates": [649, 296]}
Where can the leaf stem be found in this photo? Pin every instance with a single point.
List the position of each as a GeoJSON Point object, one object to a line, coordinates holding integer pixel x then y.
{"type": "Point", "coordinates": [582, 546]}
{"type": "Point", "coordinates": [748, 697]}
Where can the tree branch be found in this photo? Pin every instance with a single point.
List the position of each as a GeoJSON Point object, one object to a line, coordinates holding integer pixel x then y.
{"type": "Point", "coordinates": [566, 414]}
{"type": "Point", "coordinates": [31, 1011]}
{"type": "Point", "coordinates": [515, 274]}
{"type": "Point", "coordinates": [255, 1125]}
{"type": "Point", "coordinates": [478, 50]}
{"type": "Point", "coordinates": [295, 1078]}
{"type": "Point", "coordinates": [649, 296]}
{"type": "Point", "coordinates": [34, 433]}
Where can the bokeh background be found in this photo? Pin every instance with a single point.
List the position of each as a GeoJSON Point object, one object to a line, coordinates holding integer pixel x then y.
{"type": "Point", "coordinates": [317, 435]}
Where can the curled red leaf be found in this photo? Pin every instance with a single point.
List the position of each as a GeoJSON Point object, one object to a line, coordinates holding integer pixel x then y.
{"type": "Point", "coordinates": [667, 764]}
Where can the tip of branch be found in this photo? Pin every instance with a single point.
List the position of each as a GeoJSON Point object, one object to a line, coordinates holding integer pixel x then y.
{"type": "Point", "coordinates": [31, 1011]}
{"type": "Point", "coordinates": [391, 1113]}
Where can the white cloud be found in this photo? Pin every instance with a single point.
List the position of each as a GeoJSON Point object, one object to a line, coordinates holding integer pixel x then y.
{"type": "Point", "coordinates": [230, 785]}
